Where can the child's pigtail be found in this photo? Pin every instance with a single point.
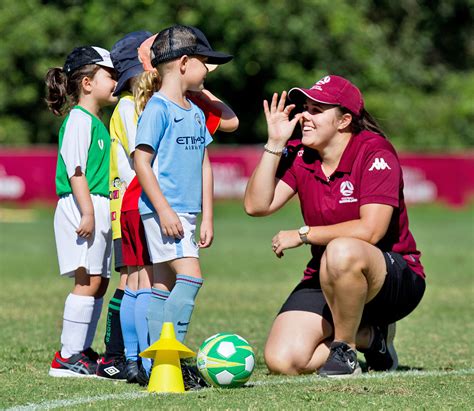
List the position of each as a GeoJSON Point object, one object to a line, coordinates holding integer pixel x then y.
{"type": "Point", "coordinates": [56, 95]}
{"type": "Point", "coordinates": [147, 83]}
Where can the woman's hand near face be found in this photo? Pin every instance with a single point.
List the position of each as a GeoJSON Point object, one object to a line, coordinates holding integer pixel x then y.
{"type": "Point", "coordinates": [280, 127]}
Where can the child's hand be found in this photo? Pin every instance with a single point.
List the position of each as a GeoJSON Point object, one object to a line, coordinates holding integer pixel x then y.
{"type": "Point", "coordinates": [206, 234]}
{"type": "Point", "coordinates": [170, 223]}
{"type": "Point", "coordinates": [86, 226]}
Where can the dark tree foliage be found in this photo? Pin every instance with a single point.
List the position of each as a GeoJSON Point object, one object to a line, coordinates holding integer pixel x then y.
{"type": "Point", "coordinates": [413, 59]}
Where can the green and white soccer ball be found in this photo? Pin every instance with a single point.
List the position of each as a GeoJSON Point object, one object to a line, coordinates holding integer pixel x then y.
{"type": "Point", "coordinates": [226, 360]}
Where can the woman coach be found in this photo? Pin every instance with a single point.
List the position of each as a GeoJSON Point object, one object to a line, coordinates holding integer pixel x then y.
{"type": "Point", "coordinates": [365, 272]}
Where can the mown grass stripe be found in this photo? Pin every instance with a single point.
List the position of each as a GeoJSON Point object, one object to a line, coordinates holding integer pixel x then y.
{"type": "Point", "coordinates": [47, 405]}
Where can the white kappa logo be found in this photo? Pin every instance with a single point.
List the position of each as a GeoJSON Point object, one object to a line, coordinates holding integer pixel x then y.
{"type": "Point", "coordinates": [379, 164]}
{"type": "Point", "coordinates": [347, 188]}
{"type": "Point", "coordinates": [101, 144]}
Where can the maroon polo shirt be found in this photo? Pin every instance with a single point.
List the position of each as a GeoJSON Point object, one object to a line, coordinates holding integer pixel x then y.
{"type": "Point", "coordinates": [369, 173]}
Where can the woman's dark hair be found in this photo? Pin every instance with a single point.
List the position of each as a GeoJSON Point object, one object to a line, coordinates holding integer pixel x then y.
{"type": "Point", "coordinates": [64, 91]}
{"type": "Point", "coordinates": [364, 121]}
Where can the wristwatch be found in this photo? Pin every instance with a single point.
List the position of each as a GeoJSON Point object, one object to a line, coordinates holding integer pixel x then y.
{"type": "Point", "coordinates": [303, 232]}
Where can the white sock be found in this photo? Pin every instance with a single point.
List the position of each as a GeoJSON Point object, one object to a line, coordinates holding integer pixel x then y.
{"type": "Point", "coordinates": [98, 302]}
{"type": "Point", "coordinates": [77, 317]}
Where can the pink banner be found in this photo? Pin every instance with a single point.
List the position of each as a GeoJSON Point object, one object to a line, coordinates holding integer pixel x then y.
{"type": "Point", "coordinates": [28, 174]}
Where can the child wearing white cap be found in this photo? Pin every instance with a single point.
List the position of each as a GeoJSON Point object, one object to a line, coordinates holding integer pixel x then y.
{"type": "Point", "coordinates": [82, 219]}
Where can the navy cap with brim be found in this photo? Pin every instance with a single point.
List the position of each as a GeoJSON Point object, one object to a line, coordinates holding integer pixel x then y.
{"type": "Point", "coordinates": [165, 49]}
{"type": "Point", "coordinates": [84, 55]}
{"type": "Point", "coordinates": [127, 75]}
{"type": "Point", "coordinates": [215, 57]}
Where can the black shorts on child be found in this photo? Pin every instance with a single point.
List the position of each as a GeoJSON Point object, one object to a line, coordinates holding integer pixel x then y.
{"type": "Point", "coordinates": [398, 297]}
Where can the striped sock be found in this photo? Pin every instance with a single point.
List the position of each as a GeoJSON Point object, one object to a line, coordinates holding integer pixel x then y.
{"type": "Point", "coordinates": [155, 313]}
{"type": "Point", "coordinates": [180, 304]}
{"type": "Point", "coordinates": [113, 339]}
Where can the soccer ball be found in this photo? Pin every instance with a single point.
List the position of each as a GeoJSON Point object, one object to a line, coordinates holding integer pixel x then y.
{"type": "Point", "coordinates": [226, 360]}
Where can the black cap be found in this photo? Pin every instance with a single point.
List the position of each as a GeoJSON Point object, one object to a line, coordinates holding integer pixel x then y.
{"type": "Point", "coordinates": [177, 41]}
{"type": "Point", "coordinates": [84, 55]}
{"type": "Point", "coordinates": [124, 55]}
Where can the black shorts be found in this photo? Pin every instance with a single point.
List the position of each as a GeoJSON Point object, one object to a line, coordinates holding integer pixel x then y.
{"type": "Point", "coordinates": [118, 259]}
{"type": "Point", "coordinates": [398, 297]}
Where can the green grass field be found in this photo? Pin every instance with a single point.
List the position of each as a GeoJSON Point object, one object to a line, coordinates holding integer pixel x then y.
{"type": "Point", "coordinates": [244, 287]}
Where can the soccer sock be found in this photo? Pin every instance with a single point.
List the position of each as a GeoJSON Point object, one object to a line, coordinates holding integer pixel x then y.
{"type": "Point", "coordinates": [113, 338]}
{"type": "Point", "coordinates": [76, 319]}
{"type": "Point", "coordinates": [127, 322]}
{"type": "Point", "coordinates": [155, 313]}
{"type": "Point", "coordinates": [98, 303]}
{"type": "Point", "coordinates": [180, 303]}
{"type": "Point", "coordinates": [141, 307]}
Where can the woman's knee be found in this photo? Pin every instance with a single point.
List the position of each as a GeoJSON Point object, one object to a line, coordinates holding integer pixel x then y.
{"type": "Point", "coordinates": [342, 256]}
{"type": "Point", "coordinates": [284, 361]}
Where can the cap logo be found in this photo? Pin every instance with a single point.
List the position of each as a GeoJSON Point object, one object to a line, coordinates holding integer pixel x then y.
{"type": "Point", "coordinates": [318, 84]}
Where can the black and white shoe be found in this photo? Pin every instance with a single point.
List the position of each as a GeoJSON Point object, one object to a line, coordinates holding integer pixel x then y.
{"type": "Point", "coordinates": [112, 368]}
{"type": "Point", "coordinates": [381, 356]}
{"type": "Point", "coordinates": [341, 363]}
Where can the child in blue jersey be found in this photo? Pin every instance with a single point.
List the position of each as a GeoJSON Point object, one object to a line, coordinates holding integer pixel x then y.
{"type": "Point", "coordinates": [174, 170]}
{"type": "Point", "coordinates": [82, 219]}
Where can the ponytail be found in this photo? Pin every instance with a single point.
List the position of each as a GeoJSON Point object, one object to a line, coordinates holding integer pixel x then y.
{"type": "Point", "coordinates": [143, 88]}
{"type": "Point", "coordinates": [364, 121]}
{"type": "Point", "coordinates": [56, 93]}
{"type": "Point", "coordinates": [63, 91]}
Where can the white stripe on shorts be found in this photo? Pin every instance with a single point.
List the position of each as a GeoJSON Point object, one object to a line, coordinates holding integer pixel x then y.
{"type": "Point", "coordinates": [163, 248]}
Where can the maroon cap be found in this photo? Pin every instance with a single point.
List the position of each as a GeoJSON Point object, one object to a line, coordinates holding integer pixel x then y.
{"type": "Point", "coordinates": [332, 90]}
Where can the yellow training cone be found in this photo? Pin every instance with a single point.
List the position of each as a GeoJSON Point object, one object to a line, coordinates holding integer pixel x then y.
{"type": "Point", "coordinates": [166, 375]}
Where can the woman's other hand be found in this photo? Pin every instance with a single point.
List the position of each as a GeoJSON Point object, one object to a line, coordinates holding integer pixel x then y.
{"type": "Point", "coordinates": [285, 240]}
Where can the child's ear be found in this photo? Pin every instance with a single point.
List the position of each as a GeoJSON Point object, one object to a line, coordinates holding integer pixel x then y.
{"type": "Point", "coordinates": [183, 62]}
{"type": "Point", "coordinates": [86, 83]}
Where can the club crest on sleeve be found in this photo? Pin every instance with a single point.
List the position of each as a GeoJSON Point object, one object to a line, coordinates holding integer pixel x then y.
{"type": "Point", "coordinates": [379, 164]}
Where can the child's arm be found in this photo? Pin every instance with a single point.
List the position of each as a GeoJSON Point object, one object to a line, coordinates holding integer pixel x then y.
{"type": "Point", "coordinates": [169, 221]}
{"type": "Point", "coordinates": [207, 223]}
{"type": "Point", "coordinates": [80, 190]}
{"type": "Point", "coordinates": [228, 119]}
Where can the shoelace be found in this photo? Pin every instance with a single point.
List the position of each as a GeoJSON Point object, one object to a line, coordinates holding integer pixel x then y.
{"type": "Point", "coordinates": [338, 353]}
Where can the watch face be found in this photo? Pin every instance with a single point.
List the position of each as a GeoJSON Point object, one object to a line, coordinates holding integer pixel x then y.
{"type": "Point", "coordinates": [304, 230]}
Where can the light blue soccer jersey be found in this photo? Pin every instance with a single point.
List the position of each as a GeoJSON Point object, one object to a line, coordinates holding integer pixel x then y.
{"type": "Point", "coordinates": [178, 137]}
